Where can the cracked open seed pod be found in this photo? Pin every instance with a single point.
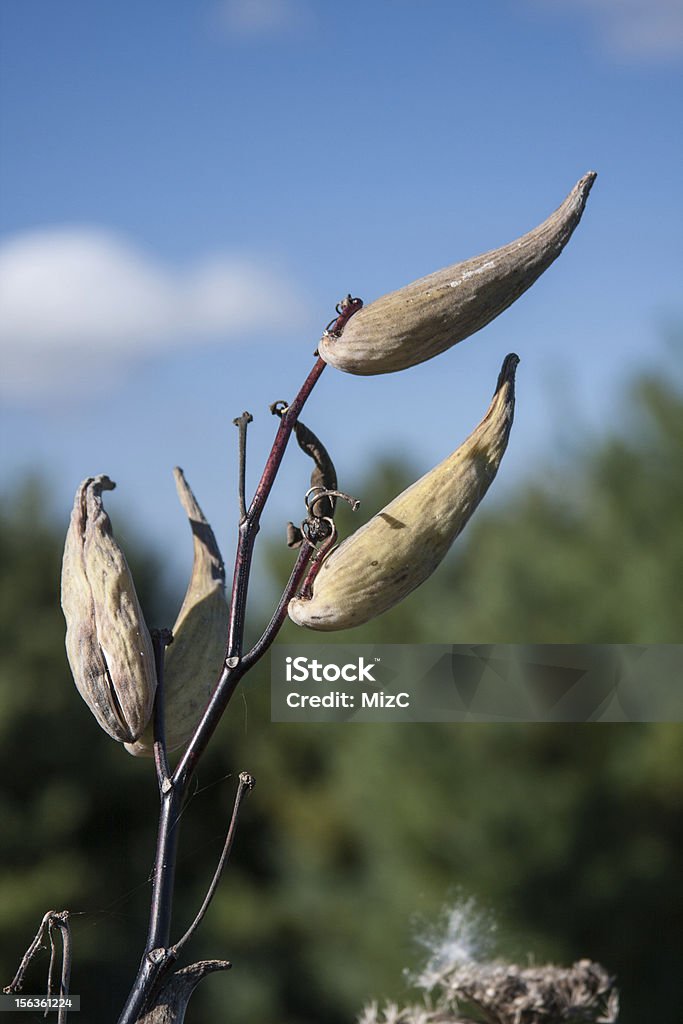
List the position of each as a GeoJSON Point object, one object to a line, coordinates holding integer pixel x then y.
{"type": "Point", "coordinates": [194, 660]}
{"type": "Point", "coordinates": [107, 642]}
{"type": "Point", "coordinates": [383, 561]}
{"type": "Point", "coordinates": [428, 316]}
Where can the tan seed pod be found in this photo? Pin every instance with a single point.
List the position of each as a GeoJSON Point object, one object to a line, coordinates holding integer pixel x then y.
{"type": "Point", "coordinates": [383, 561]}
{"type": "Point", "coordinates": [194, 660]}
{"type": "Point", "coordinates": [428, 316]}
{"type": "Point", "coordinates": [107, 642]}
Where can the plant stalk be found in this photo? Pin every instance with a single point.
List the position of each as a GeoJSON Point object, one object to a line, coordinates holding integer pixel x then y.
{"type": "Point", "coordinates": [159, 955]}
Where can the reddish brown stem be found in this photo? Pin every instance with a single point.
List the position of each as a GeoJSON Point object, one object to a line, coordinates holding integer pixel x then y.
{"type": "Point", "coordinates": [158, 958]}
{"type": "Point", "coordinates": [250, 524]}
{"type": "Point", "coordinates": [249, 527]}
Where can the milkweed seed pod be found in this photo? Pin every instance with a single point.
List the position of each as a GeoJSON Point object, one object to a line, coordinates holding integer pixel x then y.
{"type": "Point", "coordinates": [383, 561]}
{"type": "Point", "coordinates": [107, 642]}
{"type": "Point", "coordinates": [430, 315]}
{"type": "Point", "coordinates": [194, 660]}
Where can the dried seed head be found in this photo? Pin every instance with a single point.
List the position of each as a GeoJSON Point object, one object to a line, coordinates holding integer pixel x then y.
{"type": "Point", "coordinates": [383, 561]}
{"type": "Point", "coordinates": [195, 658]}
{"type": "Point", "coordinates": [430, 315]}
{"type": "Point", "coordinates": [107, 642]}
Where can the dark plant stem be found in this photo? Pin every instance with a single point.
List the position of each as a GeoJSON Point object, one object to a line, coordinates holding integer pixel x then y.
{"type": "Point", "coordinates": [59, 922]}
{"type": "Point", "coordinates": [159, 955]}
{"type": "Point", "coordinates": [161, 638]}
{"type": "Point", "coordinates": [158, 958]}
{"type": "Point", "coordinates": [159, 932]}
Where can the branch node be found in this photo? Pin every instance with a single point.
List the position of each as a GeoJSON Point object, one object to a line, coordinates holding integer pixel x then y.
{"type": "Point", "coordinates": [244, 419]}
{"type": "Point", "coordinates": [164, 635]}
{"type": "Point", "coordinates": [345, 310]}
{"type": "Point", "coordinates": [158, 956]}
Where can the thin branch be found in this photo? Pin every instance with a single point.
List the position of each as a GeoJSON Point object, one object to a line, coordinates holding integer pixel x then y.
{"type": "Point", "coordinates": [52, 919]}
{"type": "Point", "coordinates": [61, 921]}
{"type": "Point", "coordinates": [246, 784]}
{"type": "Point", "coordinates": [242, 422]}
{"type": "Point", "coordinates": [280, 613]}
{"type": "Point", "coordinates": [51, 965]}
{"type": "Point", "coordinates": [249, 527]}
{"type": "Point", "coordinates": [36, 946]}
{"type": "Point", "coordinates": [18, 980]}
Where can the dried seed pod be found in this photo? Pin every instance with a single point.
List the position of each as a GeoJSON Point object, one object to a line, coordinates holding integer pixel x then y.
{"type": "Point", "coordinates": [195, 658]}
{"type": "Point", "coordinates": [107, 642]}
{"type": "Point", "coordinates": [430, 315]}
{"type": "Point", "coordinates": [383, 561]}
{"type": "Point", "coordinates": [323, 474]}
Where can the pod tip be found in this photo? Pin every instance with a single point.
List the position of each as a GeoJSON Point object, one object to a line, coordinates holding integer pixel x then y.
{"type": "Point", "coordinates": [508, 369]}
{"type": "Point", "coordinates": [186, 497]}
{"type": "Point", "coordinates": [101, 483]}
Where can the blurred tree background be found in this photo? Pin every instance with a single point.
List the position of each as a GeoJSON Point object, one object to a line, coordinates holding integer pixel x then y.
{"type": "Point", "coordinates": [357, 836]}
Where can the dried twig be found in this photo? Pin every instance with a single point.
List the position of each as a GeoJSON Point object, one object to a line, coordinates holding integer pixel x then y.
{"type": "Point", "coordinates": [53, 919]}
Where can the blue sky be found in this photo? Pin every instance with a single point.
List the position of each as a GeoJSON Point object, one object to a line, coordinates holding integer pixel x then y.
{"type": "Point", "coordinates": [187, 189]}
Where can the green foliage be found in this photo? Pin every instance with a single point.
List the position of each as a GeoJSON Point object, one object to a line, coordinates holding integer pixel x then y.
{"type": "Point", "coordinates": [571, 835]}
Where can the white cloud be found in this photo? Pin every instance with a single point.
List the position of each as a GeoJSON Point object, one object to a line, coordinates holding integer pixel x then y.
{"type": "Point", "coordinates": [262, 17]}
{"type": "Point", "coordinates": [87, 298]}
{"type": "Point", "coordinates": [642, 29]}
